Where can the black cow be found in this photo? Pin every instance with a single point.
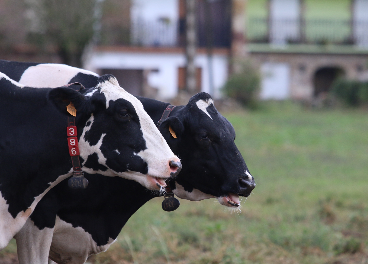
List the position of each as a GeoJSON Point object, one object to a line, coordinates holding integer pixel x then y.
{"type": "Point", "coordinates": [116, 138]}
{"type": "Point", "coordinates": [201, 137]}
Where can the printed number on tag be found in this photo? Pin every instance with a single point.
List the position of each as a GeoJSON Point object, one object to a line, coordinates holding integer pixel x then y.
{"type": "Point", "coordinates": [71, 131]}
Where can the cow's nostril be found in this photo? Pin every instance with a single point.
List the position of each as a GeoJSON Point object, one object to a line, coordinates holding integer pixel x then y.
{"type": "Point", "coordinates": [175, 167]}
{"type": "Point", "coordinates": [246, 187]}
{"type": "Point", "coordinates": [243, 183]}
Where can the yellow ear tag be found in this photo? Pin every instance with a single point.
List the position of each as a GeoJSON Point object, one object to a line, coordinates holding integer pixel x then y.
{"type": "Point", "coordinates": [71, 109]}
{"type": "Point", "coordinates": [172, 132]}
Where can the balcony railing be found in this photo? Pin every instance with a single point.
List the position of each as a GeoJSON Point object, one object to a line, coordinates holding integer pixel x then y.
{"type": "Point", "coordinates": [154, 33]}
{"type": "Point", "coordinates": [318, 31]}
{"type": "Point", "coordinates": [162, 33]}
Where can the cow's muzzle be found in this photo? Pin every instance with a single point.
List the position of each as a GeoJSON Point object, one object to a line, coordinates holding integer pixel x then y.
{"type": "Point", "coordinates": [246, 186]}
{"type": "Point", "coordinates": [175, 167]}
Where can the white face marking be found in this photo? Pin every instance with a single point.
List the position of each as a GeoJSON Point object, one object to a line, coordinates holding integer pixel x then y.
{"type": "Point", "coordinates": [50, 75]}
{"type": "Point", "coordinates": [86, 149]}
{"type": "Point", "coordinates": [158, 153]}
{"type": "Point", "coordinates": [250, 177]}
{"type": "Point", "coordinates": [91, 93]}
{"type": "Point", "coordinates": [10, 226]}
{"type": "Point", "coordinates": [202, 105]}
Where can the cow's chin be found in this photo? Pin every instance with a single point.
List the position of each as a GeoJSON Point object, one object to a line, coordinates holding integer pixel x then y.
{"type": "Point", "coordinates": [231, 200]}
{"type": "Point", "coordinates": [147, 181]}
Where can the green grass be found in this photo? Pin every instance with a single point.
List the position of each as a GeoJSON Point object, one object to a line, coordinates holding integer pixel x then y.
{"type": "Point", "coordinates": [309, 206]}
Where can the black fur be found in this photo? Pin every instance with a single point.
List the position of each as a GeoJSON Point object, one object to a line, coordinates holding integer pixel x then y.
{"type": "Point", "coordinates": [33, 145]}
{"type": "Point", "coordinates": [15, 69]}
{"type": "Point", "coordinates": [211, 163]}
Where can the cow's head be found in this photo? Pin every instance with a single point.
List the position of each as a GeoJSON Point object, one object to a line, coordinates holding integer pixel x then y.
{"type": "Point", "coordinates": [212, 164]}
{"type": "Point", "coordinates": [116, 136]}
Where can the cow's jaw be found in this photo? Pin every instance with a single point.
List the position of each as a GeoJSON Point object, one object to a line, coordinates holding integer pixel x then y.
{"type": "Point", "coordinates": [231, 200]}
{"type": "Point", "coordinates": [148, 181]}
{"type": "Point", "coordinates": [155, 181]}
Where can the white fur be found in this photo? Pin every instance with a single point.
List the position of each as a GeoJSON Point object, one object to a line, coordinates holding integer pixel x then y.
{"type": "Point", "coordinates": [202, 105]}
{"type": "Point", "coordinates": [250, 177]}
{"type": "Point", "coordinates": [74, 240]}
{"type": "Point", "coordinates": [195, 195]}
{"type": "Point", "coordinates": [86, 149]}
{"type": "Point", "coordinates": [158, 153]}
{"type": "Point", "coordinates": [43, 75]}
{"type": "Point", "coordinates": [33, 244]}
{"type": "Point", "coordinates": [10, 226]}
{"type": "Point", "coordinates": [91, 92]}
{"type": "Point", "coordinates": [2, 75]}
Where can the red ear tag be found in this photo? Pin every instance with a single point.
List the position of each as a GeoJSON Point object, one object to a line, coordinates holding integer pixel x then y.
{"type": "Point", "coordinates": [71, 131]}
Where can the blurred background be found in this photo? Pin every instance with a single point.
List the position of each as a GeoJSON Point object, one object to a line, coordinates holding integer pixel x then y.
{"type": "Point", "coordinates": [291, 76]}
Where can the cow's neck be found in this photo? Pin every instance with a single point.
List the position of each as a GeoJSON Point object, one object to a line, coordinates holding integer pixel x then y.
{"type": "Point", "coordinates": [155, 108]}
{"type": "Point", "coordinates": [123, 197]}
{"type": "Point", "coordinates": [33, 144]}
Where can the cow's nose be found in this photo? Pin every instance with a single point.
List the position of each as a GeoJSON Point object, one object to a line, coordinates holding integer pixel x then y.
{"type": "Point", "coordinates": [246, 186]}
{"type": "Point", "coordinates": [175, 167]}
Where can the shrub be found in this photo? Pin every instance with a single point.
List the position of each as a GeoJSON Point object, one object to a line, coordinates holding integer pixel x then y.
{"type": "Point", "coordinates": [244, 86]}
{"type": "Point", "coordinates": [351, 92]}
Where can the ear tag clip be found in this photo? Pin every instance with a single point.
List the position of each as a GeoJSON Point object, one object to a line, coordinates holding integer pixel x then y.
{"type": "Point", "coordinates": [172, 132]}
{"type": "Point", "coordinates": [71, 109]}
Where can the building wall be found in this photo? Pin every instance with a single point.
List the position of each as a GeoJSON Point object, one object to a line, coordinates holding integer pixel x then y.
{"type": "Point", "coordinates": [302, 68]}
{"type": "Point", "coordinates": [162, 68]}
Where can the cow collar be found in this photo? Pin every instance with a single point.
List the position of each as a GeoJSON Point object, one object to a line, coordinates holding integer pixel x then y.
{"type": "Point", "coordinates": [77, 181]}
{"type": "Point", "coordinates": [165, 114]}
{"type": "Point", "coordinates": [170, 203]}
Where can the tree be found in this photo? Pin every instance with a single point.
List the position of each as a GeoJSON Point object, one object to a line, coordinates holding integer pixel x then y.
{"type": "Point", "coordinates": [68, 25]}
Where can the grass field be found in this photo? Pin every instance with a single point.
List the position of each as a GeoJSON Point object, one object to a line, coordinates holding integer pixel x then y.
{"type": "Point", "coordinates": [309, 206]}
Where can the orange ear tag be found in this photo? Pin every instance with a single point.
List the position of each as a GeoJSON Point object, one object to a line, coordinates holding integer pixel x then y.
{"type": "Point", "coordinates": [71, 109]}
{"type": "Point", "coordinates": [172, 132]}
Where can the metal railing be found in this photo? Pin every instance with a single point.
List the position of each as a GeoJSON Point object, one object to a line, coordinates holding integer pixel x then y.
{"type": "Point", "coordinates": [317, 31]}
{"type": "Point", "coordinates": [154, 33]}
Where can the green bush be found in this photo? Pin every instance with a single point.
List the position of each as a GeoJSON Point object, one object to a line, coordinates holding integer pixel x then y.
{"type": "Point", "coordinates": [351, 92]}
{"type": "Point", "coordinates": [244, 86]}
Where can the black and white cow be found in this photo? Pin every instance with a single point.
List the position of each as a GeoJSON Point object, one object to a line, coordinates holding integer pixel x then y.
{"type": "Point", "coordinates": [116, 138]}
{"type": "Point", "coordinates": [204, 141]}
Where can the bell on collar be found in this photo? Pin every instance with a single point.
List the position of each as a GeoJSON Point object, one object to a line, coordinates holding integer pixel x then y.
{"type": "Point", "coordinates": [78, 181]}
{"type": "Point", "coordinates": [170, 203]}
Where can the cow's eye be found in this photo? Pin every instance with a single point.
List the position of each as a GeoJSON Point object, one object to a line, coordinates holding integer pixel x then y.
{"type": "Point", "coordinates": [204, 137]}
{"type": "Point", "coordinates": [123, 115]}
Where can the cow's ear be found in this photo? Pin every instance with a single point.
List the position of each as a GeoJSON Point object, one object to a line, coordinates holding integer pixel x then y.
{"type": "Point", "coordinates": [63, 96]}
{"type": "Point", "coordinates": [173, 126]}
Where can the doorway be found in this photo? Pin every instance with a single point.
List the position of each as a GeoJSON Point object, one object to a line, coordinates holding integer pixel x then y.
{"type": "Point", "coordinates": [324, 78]}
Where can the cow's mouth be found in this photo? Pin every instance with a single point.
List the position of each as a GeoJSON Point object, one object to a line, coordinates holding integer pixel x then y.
{"type": "Point", "coordinates": [156, 182]}
{"type": "Point", "coordinates": [231, 200]}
